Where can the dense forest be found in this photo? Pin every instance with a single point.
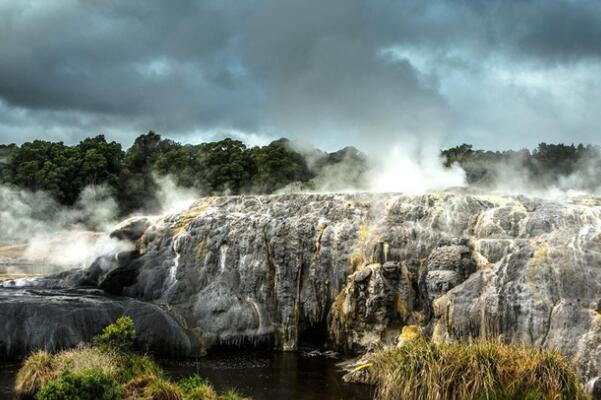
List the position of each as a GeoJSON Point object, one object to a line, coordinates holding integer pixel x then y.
{"type": "Point", "coordinates": [229, 166]}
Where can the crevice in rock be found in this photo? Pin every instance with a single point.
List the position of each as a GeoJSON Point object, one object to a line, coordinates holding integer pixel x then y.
{"type": "Point", "coordinates": [315, 336]}
{"type": "Point", "coordinates": [548, 324]}
{"type": "Point", "coordinates": [271, 277]}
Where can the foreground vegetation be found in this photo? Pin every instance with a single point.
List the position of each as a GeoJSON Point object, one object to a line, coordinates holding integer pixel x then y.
{"type": "Point", "coordinates": [485, 370]}
{"type": "Point", "coordinates": [107, 370]}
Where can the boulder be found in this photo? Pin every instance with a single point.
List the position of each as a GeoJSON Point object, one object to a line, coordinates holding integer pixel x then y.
{"type": "Point", "coordinates": [53, 320]}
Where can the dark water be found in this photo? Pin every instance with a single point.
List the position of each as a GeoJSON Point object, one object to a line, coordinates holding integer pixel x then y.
{"type": "Point", "coordinates": [262, 375]}
{"type": "Point", "coordinates": [268, 375]}
{"type": "Point", "coordinates": [7, 379]}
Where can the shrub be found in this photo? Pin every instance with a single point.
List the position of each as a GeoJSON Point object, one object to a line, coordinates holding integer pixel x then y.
{"type": "Point", "coordinates": [118, 336]}
{"type": "Point", "coordinates": [161, 389]}
{"type": "Point", "coordinates": [37, 370]}
{"type": "Point", "coordinates": [483, 370]}
{"type": "Point", "coordinates": [85, 385]}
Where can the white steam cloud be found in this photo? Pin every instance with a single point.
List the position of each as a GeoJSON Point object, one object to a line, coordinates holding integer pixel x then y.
{"type": "Point", "coordinates": [173, 198]}
{"type": "Point", "coordinates": [38, 235]}
{"type": "Point", "coordinates": [34, 228]}
{"type": "Point", "coordinates": [412, 169]}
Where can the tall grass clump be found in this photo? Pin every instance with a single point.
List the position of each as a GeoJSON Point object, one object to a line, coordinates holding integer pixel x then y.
{"type": "Point", "coordinates": [37, 370]}
{"type": "Point", "coordinates": [484, 370]}
{"type": "Point", "coordinates": [161, 389]}
{"type": "Point", "coordinates": [87, 358]}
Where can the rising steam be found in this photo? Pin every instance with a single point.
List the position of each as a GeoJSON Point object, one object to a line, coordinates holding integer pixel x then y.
{"type": "Point", "coordinates": [35, 230]}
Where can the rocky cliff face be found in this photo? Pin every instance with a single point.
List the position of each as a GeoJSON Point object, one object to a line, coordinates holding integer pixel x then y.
{"type": "Point", "coordinates": [462, 266]}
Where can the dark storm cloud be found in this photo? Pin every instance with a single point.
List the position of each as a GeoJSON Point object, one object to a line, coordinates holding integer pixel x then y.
{"type": "Point", "coordinates": [331, 72]}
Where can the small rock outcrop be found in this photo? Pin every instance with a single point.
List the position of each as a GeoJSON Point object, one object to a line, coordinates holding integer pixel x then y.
{"type": "Point", "coordinates": [374, 304]}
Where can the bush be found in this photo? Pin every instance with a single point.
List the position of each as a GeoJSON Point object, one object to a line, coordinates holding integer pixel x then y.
{"type": "Point", "coordinates": [85, 385]}
{"type": "Point", "coordinates": [483, 370]}
{"type": "Point", "coordinates": [37, 370]}
{"type": "Point", "coordinates": [118, 336]}
{"type": "Point", "coordinates": [161, 389]}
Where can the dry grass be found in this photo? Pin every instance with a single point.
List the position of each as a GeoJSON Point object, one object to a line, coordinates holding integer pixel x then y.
{"type": "Point", "coordinates": [161, 389]}
{"type": "Point", "coordinates": [41, 367]}
{"type": "Point", "coordinates": [87, 358]}
{"type": "Point", "coordinates": [484, 370]}
{"type": "Point", "coordinates": [37, 370]}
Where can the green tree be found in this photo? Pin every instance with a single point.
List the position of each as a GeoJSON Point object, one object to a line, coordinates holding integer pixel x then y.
{"type": "Point", "coordinates": [137, 187]}
{"type": "Point", "coordinates": [101, 161]}
{"type": "Point", "coordinates": [277, 166]}
{"type": "Point", "coordinates": [225, 166]}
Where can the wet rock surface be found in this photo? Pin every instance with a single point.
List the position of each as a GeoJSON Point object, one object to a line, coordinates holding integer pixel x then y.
{"type": "Point", "coordinates": [460, 266]}
{"type": "Point", "coordinates": [34, 319]}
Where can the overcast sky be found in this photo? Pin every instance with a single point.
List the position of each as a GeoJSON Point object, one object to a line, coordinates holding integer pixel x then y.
{"type": "Point", "coordinates": [498, 74]}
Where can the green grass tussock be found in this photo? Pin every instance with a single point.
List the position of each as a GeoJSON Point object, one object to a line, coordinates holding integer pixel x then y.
{"type": "Point", "coordinates": [196, 387]}
{"type": "Point", "coordinates": [135, 365]}
{"type": "Point", "coordinates": [484, 370]}
{"type": "Point", "coordinates": [161, 389]}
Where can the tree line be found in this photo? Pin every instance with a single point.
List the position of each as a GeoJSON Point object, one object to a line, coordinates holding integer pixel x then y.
{"type": "Point", "coordinates": [543, 167]}
{"type": "Point", "coordinates": [230, 167]}
{"type": "Point", "coordinates": [222, 167]}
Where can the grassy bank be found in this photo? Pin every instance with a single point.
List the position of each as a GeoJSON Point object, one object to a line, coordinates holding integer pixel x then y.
{"type": "Point", "coordinates": [485, 370]}
{"type": "Point", "coordinates": [107, 369]}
